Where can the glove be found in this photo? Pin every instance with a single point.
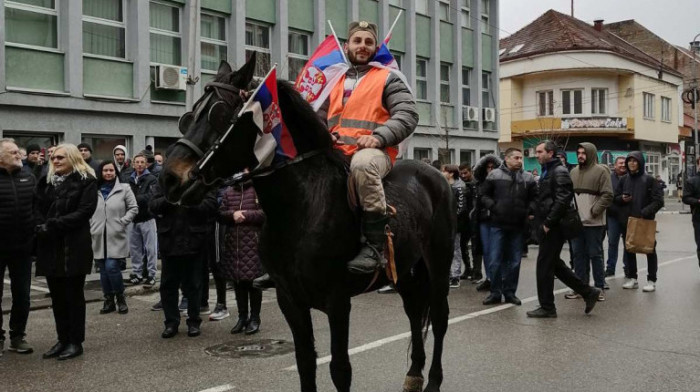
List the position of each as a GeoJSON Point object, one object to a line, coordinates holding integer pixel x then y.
{"type": "Point", "coordinates": [41, 229]}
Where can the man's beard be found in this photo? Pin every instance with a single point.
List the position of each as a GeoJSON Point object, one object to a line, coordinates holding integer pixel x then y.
{"type": "Point", "coordinates": [353, 58]}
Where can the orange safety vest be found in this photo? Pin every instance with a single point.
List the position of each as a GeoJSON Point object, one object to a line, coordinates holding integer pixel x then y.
{"type": "Point", "coordinates": [363, 112]}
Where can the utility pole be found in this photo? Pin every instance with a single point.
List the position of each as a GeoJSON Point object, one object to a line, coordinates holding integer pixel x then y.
{"type": "Point", "coordinates": [572, 8]}
{"type": "Point", "coordinates": [192, 79]}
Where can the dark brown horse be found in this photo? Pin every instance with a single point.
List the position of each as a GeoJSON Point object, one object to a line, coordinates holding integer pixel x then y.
{"type": "Point", "coordinates": [311, 232]}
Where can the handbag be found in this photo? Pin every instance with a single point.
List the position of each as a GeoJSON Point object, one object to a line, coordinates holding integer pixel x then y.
{"type": "Point", "coordinates": [570, 224]}
{"type": "Point", "coordinates": [641, 235]}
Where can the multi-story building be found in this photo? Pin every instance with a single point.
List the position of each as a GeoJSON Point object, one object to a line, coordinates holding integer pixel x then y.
{"type": "Point", "coordinates": [112, 71]}
{"type": "Point", "coordinates": [564, 79]}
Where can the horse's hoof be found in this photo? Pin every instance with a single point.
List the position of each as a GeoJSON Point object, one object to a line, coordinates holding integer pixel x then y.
{"type": "Point", "coordinates": [413, 384]}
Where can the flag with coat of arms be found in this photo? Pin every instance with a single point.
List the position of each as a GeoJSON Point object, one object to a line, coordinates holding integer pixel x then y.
{"type": "Point", "coordinates": [323, 70]}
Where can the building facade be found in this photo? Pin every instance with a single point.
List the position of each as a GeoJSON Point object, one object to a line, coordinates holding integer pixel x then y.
{"type": "Point", "coordinates": [112, 72]}
{"type": "Point", "coordinates": [566, 80]}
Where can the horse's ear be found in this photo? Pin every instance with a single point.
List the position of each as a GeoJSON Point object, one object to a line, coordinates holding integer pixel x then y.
{"type": "Point", "coordinates": [224, 68]}
{"type": "Point", "coordinates": [247, 71]}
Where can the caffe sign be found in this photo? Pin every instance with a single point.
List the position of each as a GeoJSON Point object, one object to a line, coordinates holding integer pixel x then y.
{"type": "Point", "coordinates": [597, 122]}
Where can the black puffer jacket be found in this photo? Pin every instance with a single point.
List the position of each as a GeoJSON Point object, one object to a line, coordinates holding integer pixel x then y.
{"type": "Point", "coordinates": [555, 194]}
{"type": "Point", "coordinates": [510, 197]}
{"type": "Point", "coordinates": [183, 230]}
{"type": "Point", "coordinates": [17, 219]}
{"type": "Point", "coordinates": [144, 188]}
{"type": "Point", "coordinates": [480, 214]}
{"type": "Point", "coordinates": [646, 192]}
{"type": "Point", "coordinates": [65, 249]}
{"type": "Point", "coordinates": [691, 196]}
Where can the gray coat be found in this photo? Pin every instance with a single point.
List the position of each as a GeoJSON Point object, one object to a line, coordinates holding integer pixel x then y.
{"type": "Point", "coordinates": [398, 101]}
{"type": "Point", "coordinates": [110, 220]}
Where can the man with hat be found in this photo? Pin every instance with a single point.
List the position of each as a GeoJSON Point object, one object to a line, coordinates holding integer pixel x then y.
{"type": "Point", "coordinates": [369, 112]}
{"type": "Point", "coordinates": [86, 151]}
{"type": "Point", "coordinates": [33, 163]}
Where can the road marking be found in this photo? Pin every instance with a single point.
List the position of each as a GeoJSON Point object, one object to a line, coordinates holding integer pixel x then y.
{"type": "Point", "coordinates": [220, 388]}
{"type": "Point", "coordinates": [458, 319]}
{"type": "Point", "coordinates": [37, 288]}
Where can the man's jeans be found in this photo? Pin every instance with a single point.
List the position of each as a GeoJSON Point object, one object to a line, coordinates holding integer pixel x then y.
{"type": "Point", "coordinates": [456, 270]}
{"type": "Point", "coordinates": [504, 264]}
{"type": "Point", "coordinates": [20, 270]}
{"type": "Point", "coordinates": [588, 251]}
{"type": "Point", "coordinates": [111, 276]}
{"type": "Point", "coordinates": [486, 244]}
{"type": "Point", "coordinates": [614, 235]}
{"type": "Point", "coordinates": [143, 240]}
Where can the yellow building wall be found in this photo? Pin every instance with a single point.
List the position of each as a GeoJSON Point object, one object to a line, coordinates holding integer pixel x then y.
{"type": "Point", "coordinates": [511, 95]}
{"type": "Point", "coordinates": [655, 130]}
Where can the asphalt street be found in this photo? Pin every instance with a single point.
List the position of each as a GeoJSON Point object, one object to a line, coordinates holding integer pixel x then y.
{"type": "Point", "coordinates": [633, 341]}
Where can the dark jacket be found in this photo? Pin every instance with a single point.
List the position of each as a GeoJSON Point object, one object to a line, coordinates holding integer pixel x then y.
{"type": "Point", "coordinates": [691, 196]}
{"type": "Point", "coordinates": [155, 169]}
{"type": "Point", "coordinates": [481, 214]}
{"type": "Point", "coordinates": [32, 168]}
{"type": "Point", "coordinates": [65, 248]}
{"type": "Point", "coordinates": [93, 163]}
{"type": "Point", "coordinates": [510, 196]}
{"type": "Point", "coordinates": [555, 194]}
{"type": "Point", "coordinates": [144, 189]}
{"type": "Point", "coordinates": [239, 257]}
{"type": "Point", "coordinates": [647, 195]}
{"type": "Point", "coordinates": [459, 191]}
{"type": "Point", "coordinates": [463, 221]}
{"type": "Point", "coordinates": [182, 230]}
{"type": "Point", "coordinates": [613, 211]}
{"type": "Point", "coordinates": [16, 210]}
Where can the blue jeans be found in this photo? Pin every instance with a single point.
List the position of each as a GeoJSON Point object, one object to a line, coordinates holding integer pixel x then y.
{"type": "Point", "coordinates": [506, 251]}
{"type": "Point", "coordinates": [485, 232]}
{"type": "Point", "coordinates": [588, 252]}
{"type": "Point", "coordinates": [614, 235]}
{"type": "Point", "coordinates": [111, 276]}
{"type": "Point", "coordinates": [456, 269]}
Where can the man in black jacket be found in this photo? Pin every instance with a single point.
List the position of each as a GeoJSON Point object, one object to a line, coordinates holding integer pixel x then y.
{"type": "Point", "coordinates": [463, 223]}
{"type": "Point", "coordinates": [142, 237]}
{"type": "Point", "coordinates": [691, 197]}
{"type": "Point", "coordinates": [16, 239]}
{"type": "Point", "coordinates": [509, 194]}
{"type": "Point", "coordinates": [556, 192]}
{"type": "Point", "coordinates": [182, 235]}
{"type": "Point", "coordinates": [639, 195]}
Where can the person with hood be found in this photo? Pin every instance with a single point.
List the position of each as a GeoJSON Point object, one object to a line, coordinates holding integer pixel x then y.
{"type": "Point", "coordinates": [691, 197]}
{"type": "Point", "coordinates": [593, 194]}
{"type": "Point", "coordinates": [123, 164]}
{"type": "Point", "coordinates": [86, 151]}
{"type": "Point", "coordinates": [509, 195]}
{"type": "Point", "coordinates": [639, 196]}
{"type": "Point", "coordinates": [614, 226]}
{"type": "Point", "coordinates": [116, 208]}
{"type": "Point", "coordinates": [153, 167]}
{"type": "Point", "coordinates": [480, 218]}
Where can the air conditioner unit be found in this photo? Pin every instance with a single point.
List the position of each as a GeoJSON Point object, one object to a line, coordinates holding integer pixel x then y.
{"type": "Point", "coordinates": [470, 113]}
{"type": "Point", "coordinates": [489, 115]}
{"type": "Point", "coordinates": [171, 77]}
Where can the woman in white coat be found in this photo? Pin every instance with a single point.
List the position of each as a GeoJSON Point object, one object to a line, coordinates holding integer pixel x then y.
{"type": "Point", "coordinates": [116, 208]}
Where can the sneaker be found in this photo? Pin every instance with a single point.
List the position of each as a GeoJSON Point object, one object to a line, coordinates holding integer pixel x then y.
{"type": "Point", "coordinates": [204, 309]}
{"type": "Point", "coordinates": [157, 307]}
{"type": "Point", "coordinates": [601, 296]}
{"type": "Point", "coordinates": [183, 305]}
{"type": "Point", "coordinates": [220, 312]}
{"type": "Point", "coordinates": [649, 287]}
{"type": "Point", "coordinates": [484, 286]}
{"type": "Point", "coordinates": [630, 284]}
{"type": "Point", "coordinates": [572, 295]}
{"type": "Point", "coordinates": [454, 283]}
{"type": "Point", "coordinates": [386, 289]}
{"type": "Point", "coordinates": [134, 279]}
{"type": "Point", "coordinates": [20, 346]}
{"type": "Point", "coordinates": [606, 286]}
{"type": "Point", "coordinates": [150, 282]}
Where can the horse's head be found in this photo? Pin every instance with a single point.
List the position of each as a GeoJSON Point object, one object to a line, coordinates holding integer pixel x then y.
{"type": "Point", "coordinates": [196, 163]}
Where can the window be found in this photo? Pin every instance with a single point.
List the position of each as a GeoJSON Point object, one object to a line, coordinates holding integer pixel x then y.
{"type": "Point", "coordinates": [102, 145]}
{"type": "Point", "coordinates": [298, 53]}
{"type": "Point", "coordinates": [653, 164]}
{"type": "Point", "coordinates": [466, 156]}
{"type": "Point", "coordinates": [213, 41]}
{"type": "Point", "coordinates": [446, 156]}
{"type": "Point", "coordinates": [444, 10]}
{"type": "Point", "coordinates": [257, 38]}
{"type": "Point", "coordinates": [599, 101]}
{"type": "Point", "coordinates": [545, 103]}
{"type": "Point", "coordinates": [445, 82]}
{"type": "Point", "coordinates": [165, 34]}
{"type": "Point", "coordinates": [421, 79]}
{"type": "Point", "coordinates": [397, 3]}
{"type": "Point", "coordinates": [466, 90]}
{"type": "Point", "coordinates": [422, 153]}
{"type": "Point", "coordinates": [484, 153]}
{"type": "Point", "coordinates": [649, 106]}
{"type": "Point", "coordinates": [422, 7]}
{"type": "Point", "coordinates": [464, 14]}
{"type": "Point", "coordinates": [486, 89]}
{"type": "Point", "coordinates": [572, 101]}
{"type": "Point", "coordinates": [398, 57]}
{"type": "Point", "coordinates": [485, 16]}
{"type": "Point", "coordinates": [104, 30]}
{"type": "Point", "coordinates": [32, 22]}
{"type": "Point", "coordinates": [665, 109]}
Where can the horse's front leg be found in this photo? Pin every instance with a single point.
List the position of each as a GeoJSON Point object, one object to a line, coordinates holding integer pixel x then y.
{"type": "Point", "coordinates": [339, 320]}
{"type": "Point", "coordinates": [299, 320]}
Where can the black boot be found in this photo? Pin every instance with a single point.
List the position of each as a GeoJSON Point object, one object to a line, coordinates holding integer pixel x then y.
{"type": "Point", "coordinates": [371, 255]}
{"type": "Point", "coordinates": [121, 304]}
{"type": "Point", "coordinates": [263, 282]}
{"type": "Point", "coordinates": [240, 325]}
{"type": "Point", "coordinates": [108, 306]}
{"type": "Point", "coordinates": [253, 325]}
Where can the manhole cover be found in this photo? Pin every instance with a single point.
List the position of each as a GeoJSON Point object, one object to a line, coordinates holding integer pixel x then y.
{"type": "Point", "coordinates": [252, 348]}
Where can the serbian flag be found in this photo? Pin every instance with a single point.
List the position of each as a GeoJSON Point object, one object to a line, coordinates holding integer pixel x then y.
{"type": "Point", "coordinates": [323, 70]}
{"type": "Point", "coordinates": [384, 57]}
{"type": "Point", "coordinates": [274, 142]}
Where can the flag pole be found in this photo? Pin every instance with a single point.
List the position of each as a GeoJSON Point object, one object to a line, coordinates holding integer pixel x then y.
{"type": "Point", "coordinates": [250, 98]}
{"type": "Point", "coordinates": [337, 40]}
{"type": "Point", "coordinates": [388, 35]}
